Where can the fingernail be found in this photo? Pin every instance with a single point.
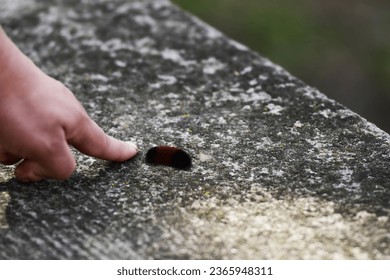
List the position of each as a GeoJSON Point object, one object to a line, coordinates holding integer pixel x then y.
{"type": "Point", "coordinates": [134, 146]}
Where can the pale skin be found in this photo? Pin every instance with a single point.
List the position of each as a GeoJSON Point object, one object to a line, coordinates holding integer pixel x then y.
{"type": "Point", "coordinates": [40, 118]}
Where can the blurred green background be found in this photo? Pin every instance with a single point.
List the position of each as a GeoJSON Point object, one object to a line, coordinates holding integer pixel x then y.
{"type": "Point", "coordinates": [342, 47]}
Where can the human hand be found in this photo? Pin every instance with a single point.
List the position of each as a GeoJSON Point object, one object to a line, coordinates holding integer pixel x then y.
{"type": "Point", "coordinates": [40, 118]}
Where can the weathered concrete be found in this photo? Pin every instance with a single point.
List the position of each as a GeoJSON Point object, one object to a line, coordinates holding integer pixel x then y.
{"type": "Point", "coordinates": [280, 171]}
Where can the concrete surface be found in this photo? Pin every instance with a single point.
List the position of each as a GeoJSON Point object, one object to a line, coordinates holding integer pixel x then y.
{"type": "Point", "coordinates": [280, 171]}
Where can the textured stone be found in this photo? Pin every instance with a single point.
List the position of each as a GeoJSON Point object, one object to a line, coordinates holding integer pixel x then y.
{"type": "Point", "coordinates": [279, 170]}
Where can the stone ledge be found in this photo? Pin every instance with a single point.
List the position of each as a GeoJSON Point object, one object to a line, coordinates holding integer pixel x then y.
{"type": "Point", "coordinates": [280, 170]}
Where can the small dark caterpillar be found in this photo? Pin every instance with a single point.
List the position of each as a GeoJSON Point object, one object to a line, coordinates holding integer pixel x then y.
{"type": "Point", "coordinates": [169, 156]}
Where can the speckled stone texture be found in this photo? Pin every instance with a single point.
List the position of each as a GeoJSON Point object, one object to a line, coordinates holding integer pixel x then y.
{"type": "Point", "coordinates": [279, 170]}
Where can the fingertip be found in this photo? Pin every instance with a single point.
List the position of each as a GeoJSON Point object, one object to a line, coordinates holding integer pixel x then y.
{"type": "Point", "coordinates": [130, 151]}
{"type": "Point", "coordinates": [118, 150]}
{"type": "Point", "coordinates": [132, 145]}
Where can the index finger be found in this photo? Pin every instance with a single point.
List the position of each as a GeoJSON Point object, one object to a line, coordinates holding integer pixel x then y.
{"type": "Point", "coordinates": [91, 140]}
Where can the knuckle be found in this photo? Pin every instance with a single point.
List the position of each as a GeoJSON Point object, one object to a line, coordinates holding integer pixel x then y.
{"type": "Point", "coordinates": [51, 146]}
